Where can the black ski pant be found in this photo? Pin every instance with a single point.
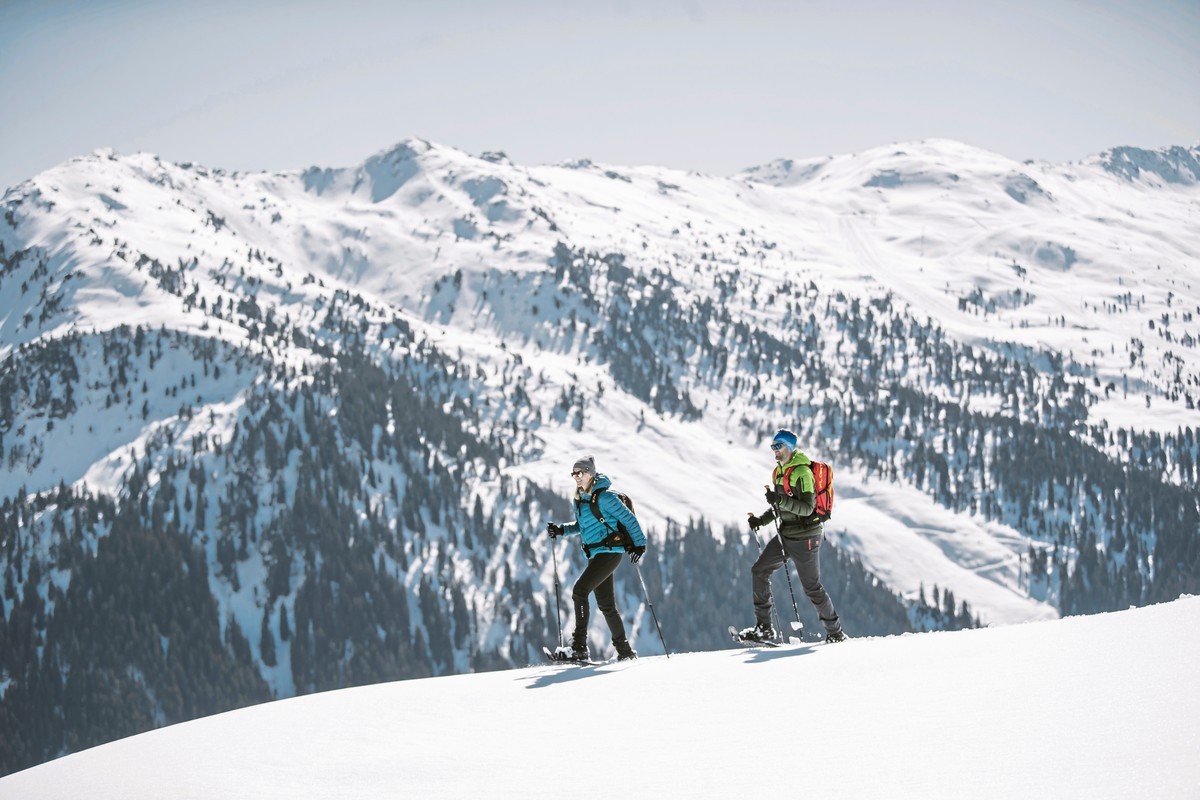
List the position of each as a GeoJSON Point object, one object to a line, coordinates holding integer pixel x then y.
{"type": "Point", "coordinates": [597, 579]}
{"type": "Point", "coordinates": [805, 554]}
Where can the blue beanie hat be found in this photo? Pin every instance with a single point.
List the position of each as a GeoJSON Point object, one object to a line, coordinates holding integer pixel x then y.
{"type": "Point", "coordinates": [786, 438]}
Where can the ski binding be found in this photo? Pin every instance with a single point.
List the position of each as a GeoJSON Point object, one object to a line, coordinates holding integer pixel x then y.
{"type": "Point", "coordinates": [737, 637]}
{"type": "Point", "coordinates": [559, 657]}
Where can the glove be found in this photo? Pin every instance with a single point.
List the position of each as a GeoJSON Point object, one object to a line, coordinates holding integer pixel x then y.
{"type": "Point", "coordinates": [554, 530]}
{"type": "Point", "coordinates": [758, 522]}
{"type": "Point", "coordinates": [773, 497]}
{"type": "Point", "coordinates": [636, 553]}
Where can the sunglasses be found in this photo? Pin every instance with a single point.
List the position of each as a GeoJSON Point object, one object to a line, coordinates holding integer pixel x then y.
{"type": "Point", "coordinates": [577, 473]}
{"type": "Point", "coordinates": [777, 445]}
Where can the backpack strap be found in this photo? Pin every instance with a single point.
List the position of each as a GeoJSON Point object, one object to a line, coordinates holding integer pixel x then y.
{"type": "Point", "coordinates": [617, 537]}
{"type": "Point", "coordinates": [614, 539]}
{"type": "Point", "coordinates": [787, 478]}
{"type": "Point", "coordinates": [594, 504]}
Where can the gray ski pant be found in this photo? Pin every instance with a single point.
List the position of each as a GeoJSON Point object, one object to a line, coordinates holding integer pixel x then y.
{"type": "Point", "coordinates": [805, 554]}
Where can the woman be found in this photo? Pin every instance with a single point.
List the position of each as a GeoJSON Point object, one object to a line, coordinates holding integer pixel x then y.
{"type": "Point", "coordinates": [607, 528]}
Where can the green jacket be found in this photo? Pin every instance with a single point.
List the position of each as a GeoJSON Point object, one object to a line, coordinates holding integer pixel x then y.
{"type": "Point", "coordinates": [797, 506]}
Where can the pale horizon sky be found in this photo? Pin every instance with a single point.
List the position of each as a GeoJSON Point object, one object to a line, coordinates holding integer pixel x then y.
{"type": "Point", "coordinates": [710, 87]}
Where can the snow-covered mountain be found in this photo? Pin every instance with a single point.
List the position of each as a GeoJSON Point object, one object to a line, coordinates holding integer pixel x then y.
{"type": "Point", "coordinates": [1024, 710]}
{"type": "Point", "coordinates": [300, 431]}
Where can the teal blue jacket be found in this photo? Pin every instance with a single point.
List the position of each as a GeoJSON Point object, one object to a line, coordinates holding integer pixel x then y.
{"type": "Point", "coordinates": [614, 517]}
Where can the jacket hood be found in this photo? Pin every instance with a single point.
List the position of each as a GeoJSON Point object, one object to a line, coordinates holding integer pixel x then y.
{"type": "Point", "coordinates": [798, 459]}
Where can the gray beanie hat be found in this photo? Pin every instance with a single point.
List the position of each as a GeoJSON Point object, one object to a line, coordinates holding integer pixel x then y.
{"type": "Point", "coordinates": [587, 464]}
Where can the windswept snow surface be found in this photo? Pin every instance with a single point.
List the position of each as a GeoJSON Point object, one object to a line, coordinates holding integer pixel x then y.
{"type": "Point", "coordinates": [1084, 707]}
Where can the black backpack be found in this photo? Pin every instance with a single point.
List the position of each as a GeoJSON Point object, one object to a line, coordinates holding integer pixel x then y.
{"type": "Point", "coordinates": [618, 536]}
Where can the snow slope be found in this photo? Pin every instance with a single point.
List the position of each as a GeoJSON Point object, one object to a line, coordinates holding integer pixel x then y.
{"type": "Point", "coordinates": [1083, 707]}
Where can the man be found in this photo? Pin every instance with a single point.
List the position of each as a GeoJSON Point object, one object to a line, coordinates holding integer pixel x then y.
{"type": "Point", "coordinates": [793, 503]}
{"type": "Point", "coordinates": [607, 529]}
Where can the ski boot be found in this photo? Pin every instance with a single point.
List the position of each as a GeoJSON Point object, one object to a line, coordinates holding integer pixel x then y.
{"type": "Point", "coordinates": [572, 653]}
{"type": "Point", "coordinates": [758, 633]}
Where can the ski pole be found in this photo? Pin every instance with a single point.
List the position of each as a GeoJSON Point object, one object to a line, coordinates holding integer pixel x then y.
{"type": "Point", "coordinates": [786, 571]}
{"type": "Point", "coordinates": [770, 585]}
{"type": "Point", "coordinates": [638, 569]}
{"type": "Point", "coordinates": [797, 625]}
{"type": "Point", "coordinates": [557, 599]}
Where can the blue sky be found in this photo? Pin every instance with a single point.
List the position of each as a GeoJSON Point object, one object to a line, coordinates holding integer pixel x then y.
{"type": "Point", "coordinates": [712, 87]}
